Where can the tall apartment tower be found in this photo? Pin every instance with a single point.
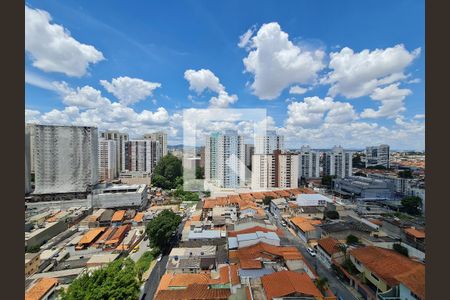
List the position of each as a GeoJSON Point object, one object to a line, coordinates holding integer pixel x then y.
{"type": "Point", "coordinates": [160, 137]}
{"type": "Point", "coordinates": [66, 158]}
{"type": "Point", "coordinates": [268, 143]}
{"type": "Point", "coordinates": [308, 163]}
{"type": "Point", "coordinates": [249, 151]}
{"type": "Point", "coordinates": [338, 162]}
{"type": "Point", "coordinates": [225, 159]}
{"type": "Point", "coordinates": [120, 139]}
{"type": "Point", "coordinates": [378, 156]}
{"type": "Point", "coordinates": [107, 159]}
{"type": "Point", "coordinates": [276, 170]}
{"type": "Point", "coordinates": [142, 155]}
{"type": "Point", "coordinates": [27, 161]}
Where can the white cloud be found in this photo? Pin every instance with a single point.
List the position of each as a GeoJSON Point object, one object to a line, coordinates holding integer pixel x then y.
{"type": "Point", "coordinates": [130, 90]}
{"type": "Point", "coordinates": [85, 97]}
{"type": "Point", "coordinates": [244, 39]}
{"type": "Point", "coordinates": [419, 116]}
{"type": "Point", "coordinates": [277, 63]}
{"type": "Point", "coordinates": [415, 80]}
{"type": "Point", "coordinates": [223, 100]}
{"type": "Point", "coordinates": [298, 90]}
{"type": "Point", "coordinates": [52, 48]}
{"type": "Point", "coordinates": [391, 98]}
{"type": "Point", "coordinates": [203, 79]}
{"type": "Point", "coordinates": [359, 74]}
{"type": "Point", "coordinates": [34, 79]}
{"type": "Point", "coordinates": [32, 116]}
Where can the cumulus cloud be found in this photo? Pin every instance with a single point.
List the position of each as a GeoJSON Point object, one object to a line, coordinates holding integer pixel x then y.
{"type": "Point", "coordinates": [130, 90]}
{"type": "Point", "coordinates": [392, 102]}
{"type": "Point", "coordinates": [419, 116]}
{"type": "Point", "coordinates": [244, 39]}
{"type": "Point", "coordinates": [277, 63]}
{"type": "Point", "coordinates": [355, 75]}
{"type": "Point", "coordinates": [297, 90]}
{"type": "Point", "coordinates": [204, 79]}
{"type": "Point", "coordinates": [84, 97]}
{"type": "Point", "coordinates": [52, 48]}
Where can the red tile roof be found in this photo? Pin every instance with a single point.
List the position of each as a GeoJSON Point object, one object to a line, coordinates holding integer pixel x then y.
{"type": "Point", "coordinates": [285, 283]}
{"type": "Point", "coordinates": [392, 267]}
{"type": "Point", "coordinates": [42, 287]}
{"type": "Point", "coordinates": [418, 234]}
{"type": "Point", "coordinates": [263, 250]}
{"type": "Point", "coordinates": [194, 292]}
{"type": "Point", "coordinates": [118, 216]}
{"type": "Point", "coordinates": [253, 229]}
{"type": "Point", "coordinates": [250, 264]}
{"type": "Point", "coordinates": [329, 245]}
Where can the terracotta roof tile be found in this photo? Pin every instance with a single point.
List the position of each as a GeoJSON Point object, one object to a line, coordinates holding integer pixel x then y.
{"type": "Point", "coordinates": [139, 217]}
{"type": "Point", "coordinates": [90, 236]}
{"type": "Point", "coordinates": [418, 234]}
{"type": "Point", "coordinates": [255, 229]}
{"type": "Point", "coordinates": [285, 283]}
{"type": "Point", "coordinates": [250, 264]}
{"type": "Point", "coordinates": [329, 244]}
{"type": "Point", "coordinates": [42, 286]}
{"type": "Point", "coordinates": [194, 292]}
{"type": "Point", "coordinates": [118, 216]}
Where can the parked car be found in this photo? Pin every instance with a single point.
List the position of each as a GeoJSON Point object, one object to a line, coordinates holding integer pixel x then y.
{"type": "Point", "coordinates": [136, 249]}
{"type": "Point", "coordinates": [311, 252]}
{"type": "Point", "coordinates": [283, 223]}
{"type": "Point", "coordinates": [159, 257]}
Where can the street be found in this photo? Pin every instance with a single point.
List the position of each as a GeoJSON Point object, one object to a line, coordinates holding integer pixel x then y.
{"type": "Point", "coordinates": [143, 247]}
{"type": "Point", "coordinates": [338, 287]}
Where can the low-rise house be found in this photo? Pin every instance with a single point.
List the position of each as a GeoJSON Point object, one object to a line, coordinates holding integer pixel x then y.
{"type": "Point", "coordinates": [278, 206]}
{"type": "Point", "coordinates": [191, 260]}
{"type": "Point", "coordinates": [43, 289]}
{"type": "Point", "coordinates": [105, 219]}
{"type": "Point", "coordinates": [206, 234]}
{"type": "Point", "coordinates": [101, 259]}
{"type": "Point", "coordinates": [116, 238]}
{"type": "Point", "coordinates": [312, 200]}
{"type": "Point", "coordinates": [118, 217]}
{"type": "Point", "coordinates": [306, 229]}
{"type": "Point", "coordinates": [249, 239]}
{"type": "Point", "coordinates": [32, 262]}
{"type": "Point", "coordinates": [246, 223]}
{"type": "Point", "coordinates": [89, 238]}
{"type": "Point", "coordinates": [194, 292]}
{"type": "Point", "coordinates": [327, 250]}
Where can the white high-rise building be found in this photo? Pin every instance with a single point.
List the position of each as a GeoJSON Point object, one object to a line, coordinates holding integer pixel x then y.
{"type": "Point", "coordinates": [142, 155]}
{"type": "Point", "coordinates": [378, 156]}
{"type": "Point", "coordinates": [66, 158]}
{"type": "Point", "coordinates": [160, 137]}
{"type": "Point", "coordinates": [107, 159]}
{"type": "Point", "coordinates": [31, 130]}
{"type": "Point", "coordinates": [225, 159]}
{"type": "Point", "coordinates": [27, 161]}
{"type": "Point", "coordinates": [277, 170]}
{"type": "Point", "coordinates": [308, 163]}
{"type": "Point", "coordinates": [120, 139]}
{"type": "Point", "coordinates": [338, 162]}
{"type": "Point", "coordinates": [268, 143]}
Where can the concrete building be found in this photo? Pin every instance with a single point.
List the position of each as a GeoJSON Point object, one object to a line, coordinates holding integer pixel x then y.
{"type": "Point", "coordinates": [277, 170]}
{"type": "Point", "coordinates": [268, 143]}
{"type": "Point", "coordinates": [32, 263]}
{"type": "Point", "coordinates": [363, 187]}
{"type": "Point", "coordinates": [107, 159]}
{"type": "Point", "coordinates": [308, 163]}
{"type": "Point", "coordinates": [30, 128]}
{"type": "Point", "coordinates": [249, 151]}
{"type": "Point", "coordinates": [114, 196]}
{"type": "Point", "coordinates": [66, 158]}
{"type": "Point", "coordinates": [142, 155]}
{"type": "Point", "coordinates": [27, 161]}
{"type": "Point", "coordinates": [44, 233]}
{"type": "Point", "coordinates": [202, 157]}
{"type": "Point", "coordinates": [120, 139]}
{"type": "Point", "coordinates": [378, 156]}
{"type": "Point", "coordinates": [225, 159]}
{"type": "Point", "coordinates": [338, 162]}
{"type": "Point", "coordinates": [160, 137]}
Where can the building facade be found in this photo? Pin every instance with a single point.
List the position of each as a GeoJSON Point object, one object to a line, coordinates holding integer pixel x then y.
{"type": "Point", "coordinates": [268, 143]}
{"type": "Point", "coordinates": [225, 159]}
{"type": "Point", "coordinates": [27, 162]}
{"type": "Point", "coordinates": [277, 170]}
{"type": "Point", "coordinates": [378, 156]}
{"type": "Point", "coordinates": [142, 155]}
{"type": "Point", "coordinates": [120, 139]}
{"type": "Point", "coordinates": [338, 162]}
{"type": "Point", "coordinates": [66, 158]}
{"type": "Point", "coordinates": [308, 163]}
{"type": "Point", "coordinates": [107, 159]}
{"type": "Point", "coordinates": [160, 137]}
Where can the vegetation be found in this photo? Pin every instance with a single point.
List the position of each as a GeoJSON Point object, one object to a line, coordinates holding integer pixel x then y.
{"type": "Point", "coordinates": [168, 173]}
{"type": "Point", "coordinates": [400, 249]}
{"type": "Point", "coordinates": [207, 193]}
{"type": "Point", "coordinates": [322, 284]}
{"type": "Point", "coordinates": [143, 263]}
{"type": "Point", "coordinates": [267, 200]}
{"type": "Point", "coordinates": [200, 173]}
{"type": "Point", "coordinates": [161, 228]}
{"type": "Point", "coordinates": [116, 281]}
{"type": "Point", "coordinates": [327, 180]}
{"type": "Point", "coordinates": [412, 205]}
{"type": "Point", "coordinates": [332, 214]}
{"type": "Point", "coordinates": [405, 174]}
{"type": "Point", "coordinates": [349, 267]}
{"type": "Point", "coordinates": [185, 195]}
{"type": "Point", "coordinates": [351, 239]}
{"type": "Point", "coordinates": [33, 249]}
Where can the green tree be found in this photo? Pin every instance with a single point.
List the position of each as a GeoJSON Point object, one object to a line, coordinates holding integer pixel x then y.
{"type": "Point", "coordinates": [400, 249]}
{"type": "Point", "coordinates": [168, 173]}
{"type": "Point", "coordinates": [143, 263]}
{"type": "Point", "coordinates": [33, 249]}
{"type": "Point", "coordinates": [199, 173]}
{"type": "Point", "coordinates": [118, 280]}
{"type": "Point", "coordinates": [267, 200]}
{"type": "Point", "coordinates": [332, 214]}
{"type": "Point", "coordinates": [351, 239]}
{"type": "Point", "coordinates": [405, 174]}
{"type": "Point", "coordinates": [411, 205]}
{"type": "Point", "coordinates": [327, 180]}
{"type": "Point", "coordinates": [160, 229]}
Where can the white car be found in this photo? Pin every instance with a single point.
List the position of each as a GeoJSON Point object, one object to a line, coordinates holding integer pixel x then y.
{"type": "Point", "coordinates": [159, 257]}
{"type": "Point", "coordinates": [311, 252]}
{"type": "Point", "coordinates": [283, 223]}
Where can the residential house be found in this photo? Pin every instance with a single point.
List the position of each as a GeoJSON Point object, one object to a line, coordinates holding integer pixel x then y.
{"type": "Point", "coordinates": [327, 250]}
{"type": "Point", "coordinates": [43, 289]}
{"type": "Point", "coordinates": [306, 229]}
{"type": "Point", "coordinates": [249, 239]}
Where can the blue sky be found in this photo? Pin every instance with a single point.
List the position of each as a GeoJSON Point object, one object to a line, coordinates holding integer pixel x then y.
{"type": "Point", "coordinates": [371, 92]}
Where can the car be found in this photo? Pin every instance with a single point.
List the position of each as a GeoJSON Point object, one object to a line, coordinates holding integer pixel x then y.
{"type": "Point", "coordinates": [136, 249]}
{"type": "Point", "coordinates": [146, 238]}
{"type": "Point", "coordinates": [283, 223]}
{"type": "Point", "coordinates": [159, 257]}
{"type": "Point", "coordinates": [311, 252]}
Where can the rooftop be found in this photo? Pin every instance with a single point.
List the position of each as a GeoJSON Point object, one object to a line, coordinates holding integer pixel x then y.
{"type": "Point", "coordinates": [286, 283]}
{"type": "Point", "coordinates": [42, 287]}
{"type": "Point", "coordinates": [329, 245]}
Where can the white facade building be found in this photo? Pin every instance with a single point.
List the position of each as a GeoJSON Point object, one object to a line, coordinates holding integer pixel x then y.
{"type": "Point", "coordinates": [225, 159]}
{"type": "Point", "coordinates": [378, 156]}
{"type": "Point", "coordinates": [27, 161]}
{"type": "Point", "coordinates": [309, 163]}
{"type": "Point", "coordinates": [107, 159]}
{"type": "Point", "coordinates": [121, 195]}
{"type": "Point", "coordinates": [66, 158]}
{"type": "Point", "coordinates": [277, 170]}
{"type": "Point", "coordinates": [160, 137]}
{"type": "Point", "coordinates": [338, 162]}
{"type": "Point", "coordinates": [142, 155]}
{"type": "Point", "coordinates": [120, 139]}
{"type": "Point", "coordinates": [268, 143]}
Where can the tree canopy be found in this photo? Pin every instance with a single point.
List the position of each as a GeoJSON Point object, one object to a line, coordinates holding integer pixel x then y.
{"type": "Point", "coordinates": [412, 205]}
{"type": "Point", "coordinates": [351, 239]}
{"type": "Point", "coordinates": [186, 195]}
{"type": "Point", "coordinates": [160, 229]}
{"type": "Point", "coordinates": [332, 214]}
{"type": "Point", "coordinates": [168, 173]}
{"type": "Point", "coordinates": [327, 180]}
{"type": "Point", "coordinates": [267, 200]}
{"type": "Point", "coordinates": [405, 174]}
{"type": "Point", "coordinates": [115, 281]}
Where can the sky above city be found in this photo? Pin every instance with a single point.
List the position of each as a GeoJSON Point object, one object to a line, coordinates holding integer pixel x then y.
{"type": "Point", "coordinates": [327, 73]}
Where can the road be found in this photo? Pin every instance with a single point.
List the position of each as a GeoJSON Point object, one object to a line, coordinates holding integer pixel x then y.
{"type": "Point", "coordinates": [143, 247]}
{"type": "Point", "coordinates": [338, 287]}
